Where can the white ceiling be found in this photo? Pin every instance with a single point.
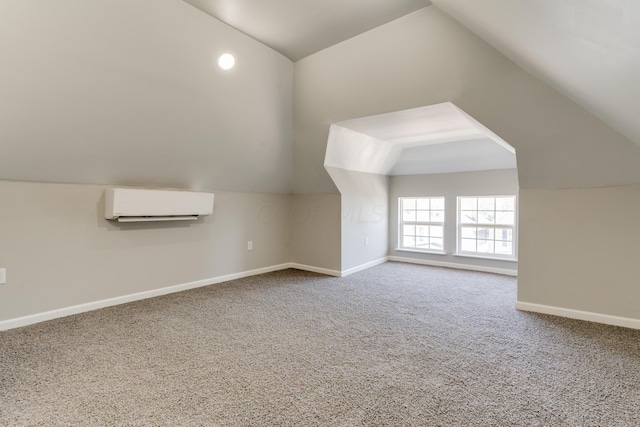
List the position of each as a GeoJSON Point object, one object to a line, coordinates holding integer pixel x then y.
{"type": "Point", "coordinates": [438, 138]}
{"type": "Point", "coordinates": [298, 28]}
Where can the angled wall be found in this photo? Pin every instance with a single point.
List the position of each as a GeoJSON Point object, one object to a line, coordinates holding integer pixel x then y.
{"type": "Point", "coordinates": [315, 232]}
{"type": "Point", "coordinates": [364, 218]}
{"type": "Point", "coordinates": [427, 58]}
{"type": "Point", "coordinates": [129, 92]}
{"type": "Point", "coordinates": [585, 50]}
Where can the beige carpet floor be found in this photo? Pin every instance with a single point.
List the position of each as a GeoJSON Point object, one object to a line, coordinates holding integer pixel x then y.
{"type": "Point", "coordinates": [395, 345]}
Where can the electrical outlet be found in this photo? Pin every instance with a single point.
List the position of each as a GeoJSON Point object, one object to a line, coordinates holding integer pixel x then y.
{"type": "Point", "coordinates": [3, 275]}
{"type": "Point", "coordinates": [366, 241]}
{"type": "Point", "coordinates": [250, 245]}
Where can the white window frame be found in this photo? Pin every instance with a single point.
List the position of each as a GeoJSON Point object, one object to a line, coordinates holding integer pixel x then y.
{"type": "Point", "coordinates": [422, 223]}
{"type": "Point", "coordinates": [495, 227]}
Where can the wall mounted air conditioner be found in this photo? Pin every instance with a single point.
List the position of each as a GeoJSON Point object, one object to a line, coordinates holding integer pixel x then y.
{"type": "Point", "coordinates": [137, 205]}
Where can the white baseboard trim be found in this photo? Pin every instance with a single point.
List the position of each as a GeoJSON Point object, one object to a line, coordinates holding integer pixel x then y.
{"type": "Point", "coordinates": [95, 305]}
{"type": "Point", "coordinates": [625, 322]}
{"type": "Point", "coordinates": [313, 269]}
{"type": "Point", "coordinates": [480, 268]}
{"type": "Point", "coordinates": [364, 266]}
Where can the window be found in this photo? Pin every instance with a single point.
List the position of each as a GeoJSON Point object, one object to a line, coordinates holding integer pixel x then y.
{"type": "Point", "coordinates": [422, 223]}
{"type": "Point", "coordinates": [486, 226]}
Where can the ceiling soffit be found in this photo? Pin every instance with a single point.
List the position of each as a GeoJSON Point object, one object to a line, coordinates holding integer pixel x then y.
{"type": "Point", "coordinates": [439, 138]}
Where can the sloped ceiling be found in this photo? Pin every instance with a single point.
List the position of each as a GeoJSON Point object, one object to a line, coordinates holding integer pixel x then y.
{"type": "Point", "coordinates": [298, 28]}
{"type": "Point", "coordinates": [589, 50]}
{"type": "Point", "coordinates": [127, 92]}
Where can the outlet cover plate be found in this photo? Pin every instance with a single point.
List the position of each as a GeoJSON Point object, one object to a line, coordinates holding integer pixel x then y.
{"type": "Point", "coordinates": [3, 275]}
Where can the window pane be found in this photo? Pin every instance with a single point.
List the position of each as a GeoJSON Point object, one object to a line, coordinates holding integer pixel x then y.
{"type": "Point", "coordinates": [418, 213]}
{"type": "Point", "coordinates": [486, 217]}
{"type": "Point", "coordinates": [505, 203]}
{"type": "Point", "coordinates": [485, 246]}
{"type": "Point", "coordinates": [408, 204]}
{"type": "Point", "coordinates": [495, 218]}
{"type": "Point", "coordinates": [409, 242]}
{"type": "Point", "coordinates": [422, 242]}
{"type": "Point", "coordinates": [436, 231]}
{"type": "Point", "coordinates": [436, 243]}
{"type": "Point", "coordinates": [468, 232]}
{"type": "Point", "coordinates": [468, 245]}
{"type": "Point", "coordinates": [505, 234]}
{"type": "Point", "coordinates": [505, 218]}
{"type": "Point", "coordinates": [408, 230]}
{"type": "Point", "coordinates": [469, 217]}
{"type": "Point", "coordinates": [504, 248]}
{"type": "Point", "coordinates": [422, 230]}
{"type": "Point", "coordinates": [468, 203]}
{"type": "Point", "coordinates": [437, 203]}
{"type": "Point", "coordinates": [485, 233]}
{"type": "Point", "coordinates": [422, 204]}
{"type": "Point", "coordinates": [408, 216]}
{"type": "Point", "coordinates": [486, 204]}
{"type": "Point", "coordinates": [422, 216]}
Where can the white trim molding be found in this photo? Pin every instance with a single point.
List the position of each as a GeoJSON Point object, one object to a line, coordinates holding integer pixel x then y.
{"type": "Point", "coordinates": [607, 319]}
{"type": "Point", "coordinates": [364, 266]}
{"type": "Point", "coordinates": [313, 269]}
{"type": "Point", "coordinates": [95, 305]}
{"type": "Point", "coordinates": [483, 269]}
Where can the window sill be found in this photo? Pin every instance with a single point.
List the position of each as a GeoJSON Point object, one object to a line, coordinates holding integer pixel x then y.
{"type": "Point", "coordinates": [492, 258]}
{"type": "Point", "coordinates": [418, 251]}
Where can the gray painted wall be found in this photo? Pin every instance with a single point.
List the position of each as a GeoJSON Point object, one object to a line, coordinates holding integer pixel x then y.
{"type": "Point", "coordinates": [315, 228]}
{"type": "Point", "coordinates": [579, 249]}
{"type": "Point", "coordinates": [129, 92]}
{"type": "Point", "coordinates": [365, 215]}
{"type": "Point", "coordinates": [59, 251]}
{"type": "Point", "coordinates": [450, 185]}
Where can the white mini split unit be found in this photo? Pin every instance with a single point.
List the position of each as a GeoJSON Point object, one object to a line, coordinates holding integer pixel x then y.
{"type": "Point", "coordinates": [138, 205]}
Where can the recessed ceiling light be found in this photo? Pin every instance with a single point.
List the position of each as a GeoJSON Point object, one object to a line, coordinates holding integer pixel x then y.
{"type": "Point", "coordinates": [226, 61]}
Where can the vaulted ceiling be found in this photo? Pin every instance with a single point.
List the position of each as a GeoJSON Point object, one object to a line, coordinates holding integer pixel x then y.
{"type": "Point", "coordinates": [298, 28]}
{"type": "Point", "coordinates": [589, 50]}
